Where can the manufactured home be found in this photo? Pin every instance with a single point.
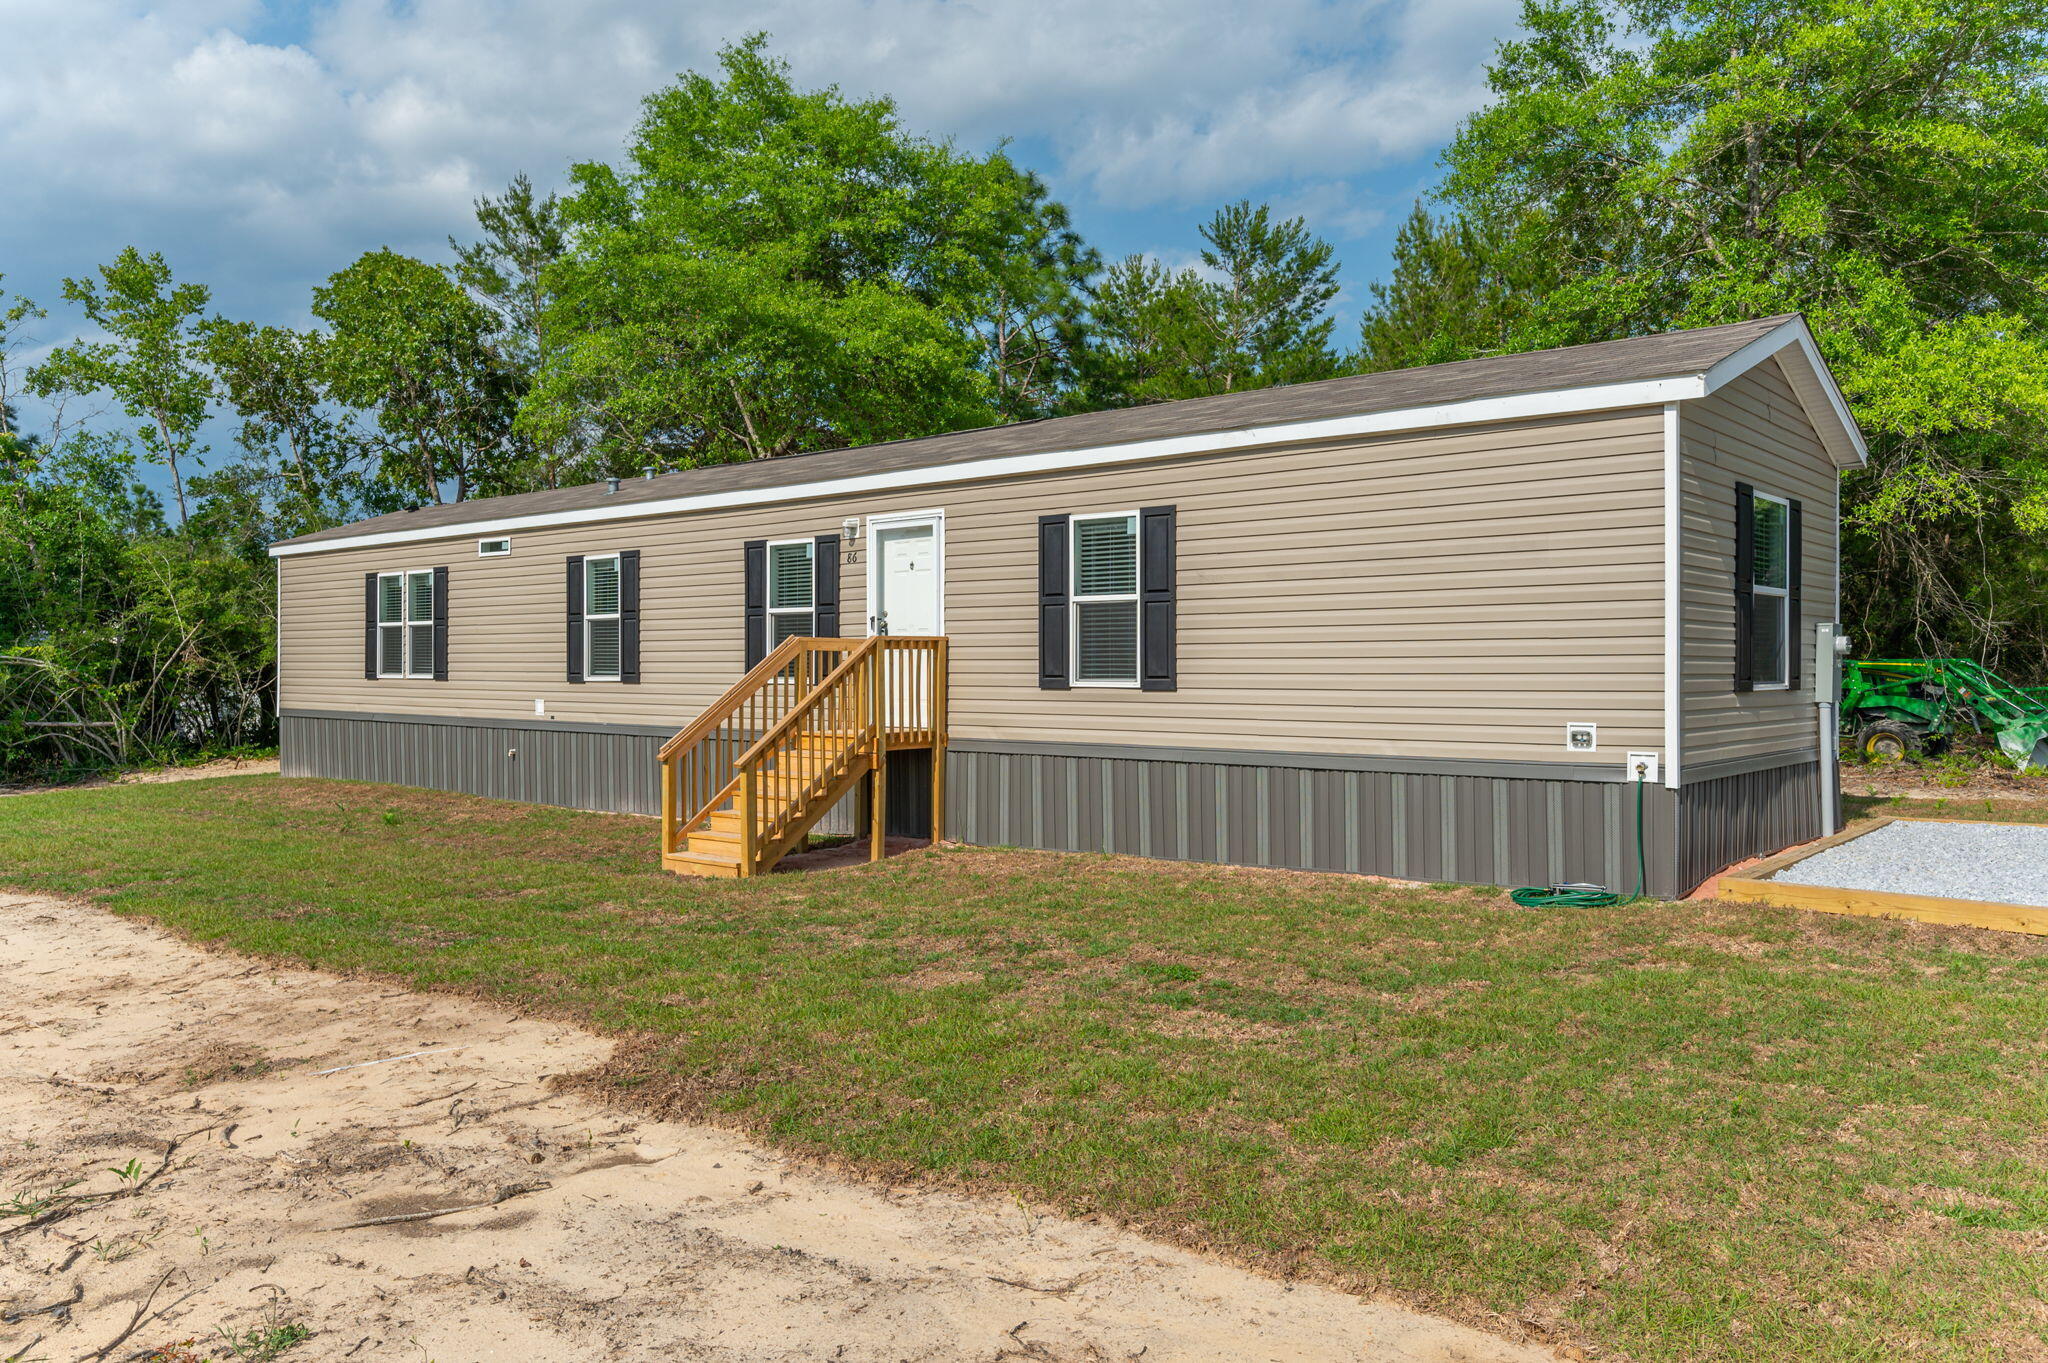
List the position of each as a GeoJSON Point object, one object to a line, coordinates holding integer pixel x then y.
{"type": "Point", "coordinates": [1458, 623]}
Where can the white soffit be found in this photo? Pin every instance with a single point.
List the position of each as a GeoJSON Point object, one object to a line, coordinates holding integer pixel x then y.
{"type": "Point", "coordinates": [1839, 434]}
{"type": "Point", "coordinates": [1792, 344]}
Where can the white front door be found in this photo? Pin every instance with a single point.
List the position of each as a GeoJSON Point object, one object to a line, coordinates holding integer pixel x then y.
{"type": "Point", "coordinates": [906, 569]}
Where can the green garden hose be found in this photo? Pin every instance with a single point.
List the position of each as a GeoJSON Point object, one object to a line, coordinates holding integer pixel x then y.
{"type": "Point", "coordinates": [1587, 896]}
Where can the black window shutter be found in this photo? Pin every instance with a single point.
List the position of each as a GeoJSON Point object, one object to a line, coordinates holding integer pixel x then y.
{"type": "Point", "coordinates": [1745, 600]}
{"type": "Point", "coordinates": [369, 626]}
{"type": "Point", "coordinates": [1158, 669]}
{"type": "Point", "coordinates": [1795, 642]}
{"type": "Point", "coordinates": [756, 601]}
{"type": "Point", "coordinates": [825, 588]}
{"type": "Point", "coordinates": [629, 615]}
{"type": "Point", "coordinates": [575, 615]}
{"type": "Point", "coordinates": [1054, 670]}
{"type": "Point", "coordinates": [440, 624]}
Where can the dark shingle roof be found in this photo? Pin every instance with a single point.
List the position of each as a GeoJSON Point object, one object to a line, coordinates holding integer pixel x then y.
{"type": "Point", "coordinates": [1648, 357]}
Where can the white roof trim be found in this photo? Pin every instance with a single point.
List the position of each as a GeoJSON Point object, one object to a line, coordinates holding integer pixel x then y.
{"type": "Point", "coordinates": [1516, 407]}
{"type": "Point", "coordinates": [1841, 435]}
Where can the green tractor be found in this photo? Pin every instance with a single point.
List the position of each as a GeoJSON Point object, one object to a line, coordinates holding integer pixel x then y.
{"type": "Point", "coordinates": [1901, 706]}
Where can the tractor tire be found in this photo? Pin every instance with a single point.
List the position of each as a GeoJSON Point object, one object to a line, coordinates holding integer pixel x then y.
{"type": "Point", "coordinates": [1888, 740]}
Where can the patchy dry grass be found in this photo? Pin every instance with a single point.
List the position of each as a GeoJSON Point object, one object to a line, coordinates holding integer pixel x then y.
{"type": "Point", "coordinates": [1920, 806]}
{"type": "Point", "coordinates": [1661, 1131]}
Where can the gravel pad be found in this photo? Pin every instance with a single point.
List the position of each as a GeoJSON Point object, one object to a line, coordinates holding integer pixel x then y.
{"type": "Point", "coordinates": [2001, 863]}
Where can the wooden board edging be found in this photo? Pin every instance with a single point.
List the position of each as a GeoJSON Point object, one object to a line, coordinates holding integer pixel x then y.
{"type": "Point", "coordinates": [1759, 885]}
{"type": "Point", "coordinates": [1968, 913]}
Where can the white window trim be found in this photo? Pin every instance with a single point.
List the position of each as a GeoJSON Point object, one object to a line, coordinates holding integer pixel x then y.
{"type": "Point", "coordinates": [482, 552]}
{"type": "Point", "coordinates": [1136, 596]}
{"type": "Point", "coordinates": [1784, 593]}
{"type": "Point", "coordinates": [768, 586]}
{"type": "Point", "coordinates": [588, 615]}
{"type": "Point", "coordinates": [405, 624]}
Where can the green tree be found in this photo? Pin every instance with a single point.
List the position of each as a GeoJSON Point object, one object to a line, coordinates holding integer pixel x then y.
{"type": "Point", "coordinates": [1255, 314]}
{"type": "Point", "coordinates": [774, 270]}
{"type": "Point", "coordinates": [409, 345]}
{"type": "Point", "coordinates": [150, 362]}
{"type": "Point", "coordinates": [1454, 293]}
{"type": "Point", "coordinates": [120, 641]}
{"type": "Point", "coordinates": [300, 458]}
{"type": "Point", "coordinates": [1880, 166]}
{"type": "Point", "coordinates": [1032, 324]}
{"type": "Point", "coordinates": [17, 314]}
{"type": "Point", "coordinates": [505, 269]}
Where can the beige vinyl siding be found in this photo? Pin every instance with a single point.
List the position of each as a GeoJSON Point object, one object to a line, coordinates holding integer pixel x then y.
{"type": "Point", "coordinates": [1752, 431]}
{"type": "Point", "coordinates": [1460, 593]}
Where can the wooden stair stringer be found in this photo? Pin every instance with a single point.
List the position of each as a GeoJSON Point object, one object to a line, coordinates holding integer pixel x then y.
{"type": "Point", "coordinates": [712, 848]}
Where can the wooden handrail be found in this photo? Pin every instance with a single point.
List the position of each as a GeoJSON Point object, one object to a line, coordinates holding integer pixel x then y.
{"type": "Point", "coordinates": [696, 763]}
{"type": "Point", "coordinates": [722, 709]}
{"type": "Point", "coordinates": [804, 735]}
{"type": "Point", "coordinates": [806, 705]}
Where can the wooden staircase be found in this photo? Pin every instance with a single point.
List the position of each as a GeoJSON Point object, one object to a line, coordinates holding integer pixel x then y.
{"type": "Point", "coordinates": [748, 780]}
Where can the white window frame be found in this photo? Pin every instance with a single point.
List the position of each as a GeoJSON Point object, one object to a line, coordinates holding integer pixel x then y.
{"type": "Point", "coordinates": [482, 551]}
{"type": "Point", "coordinates": [618, 571]}
{"type": "Point", "coordinates": [1757, 589]}
{"type": "Point", "coordinates": [768, 587]}
{"type": "Point", "coordinates": [408, 668]}
{"type": "Point", "coordinates": [1135, 596]}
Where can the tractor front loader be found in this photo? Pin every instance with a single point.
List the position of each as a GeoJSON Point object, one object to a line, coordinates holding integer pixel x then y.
{"type": "Point", "coordinates": [1900, 706]}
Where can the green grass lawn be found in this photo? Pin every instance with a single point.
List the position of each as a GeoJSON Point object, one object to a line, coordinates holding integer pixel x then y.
{"type": "Point", "coordinates": [1662, 1131]}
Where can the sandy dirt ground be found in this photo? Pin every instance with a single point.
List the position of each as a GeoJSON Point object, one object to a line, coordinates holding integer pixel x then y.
{"type": "Point", "coordinates": [591, 1234]}
{"type": "Point", "coordinates": [226, 766]}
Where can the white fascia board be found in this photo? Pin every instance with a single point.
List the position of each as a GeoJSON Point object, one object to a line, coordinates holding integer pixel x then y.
{"type": "Point", "coordinates": [1674, 600]}
{"type": "Point", "coordinates": [1796, 333]}
{"type": "Point", "coordinates": [1520, 406]}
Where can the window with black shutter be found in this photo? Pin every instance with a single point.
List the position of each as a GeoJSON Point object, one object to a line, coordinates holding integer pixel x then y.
{"type": "Point", "coordinates": [1107, 587]}
{"type": "Point", "coordinates": [791, 592]}
{"type": "Point", "coordinates": [1766, 590]}
{"type": "Point", "coordinates": [406, 624]}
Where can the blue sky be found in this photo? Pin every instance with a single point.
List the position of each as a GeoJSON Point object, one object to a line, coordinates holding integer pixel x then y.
{"type": "Point", "coordinates": [260, 147]}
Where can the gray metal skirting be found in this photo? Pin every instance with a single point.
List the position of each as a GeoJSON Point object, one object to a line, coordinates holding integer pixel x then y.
{"type": "Point", "coordinates": [611, 769]}
{"type": "Point", "coordinates": [1479, 829]}
{"type": "Point", "coordinates": [1750, 814]}
{"type": "Point", "coordinates": [1253, 809]}
{"type": "Point", "coordinates": [580, 768]}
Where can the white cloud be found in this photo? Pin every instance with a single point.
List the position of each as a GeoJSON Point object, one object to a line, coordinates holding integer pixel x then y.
{"type": "Point", "coordinates": [262, 147]}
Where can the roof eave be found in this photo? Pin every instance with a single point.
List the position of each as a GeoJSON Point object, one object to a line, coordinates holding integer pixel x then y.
{"type": "Point", "coordinates": [1475, 411]}
{"type": "Point", "coordinates": [1812, 382]}
{"type": "Point", "coordinates": [1825, 406]}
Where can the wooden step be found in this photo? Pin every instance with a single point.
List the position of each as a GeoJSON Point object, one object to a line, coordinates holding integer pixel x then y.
{"type": "Point", "coordinates": [719, 842]}
{"type": "Point", "coordinates": [691, 863]}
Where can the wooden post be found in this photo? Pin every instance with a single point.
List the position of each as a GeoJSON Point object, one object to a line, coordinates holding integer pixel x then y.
{"type": "Point", "coordinates": [748, 833]}
{"type": "Point", "coordinates": [938, 716]}
{"type": "Point", "coordinates": [878, 800]}
{"type": "Point", "coordinates": [668, 808]}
